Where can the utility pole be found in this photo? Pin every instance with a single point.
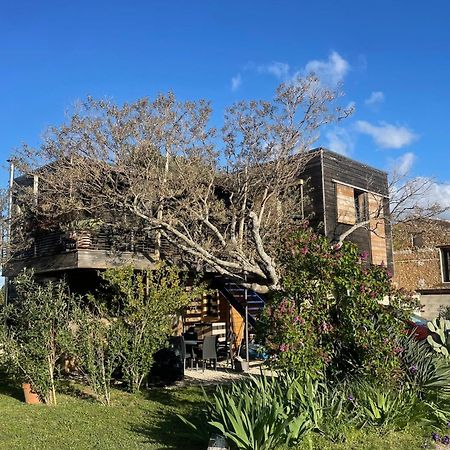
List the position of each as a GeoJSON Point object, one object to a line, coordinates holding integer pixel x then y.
{"type": "Point", "coordinates": [8, 236]}
{"type": "Point", "coordinates": [246, 320]}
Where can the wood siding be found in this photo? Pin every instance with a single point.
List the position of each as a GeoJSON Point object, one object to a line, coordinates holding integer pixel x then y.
{"type": "Point", "coordinates": [333, 169]}
{"type": "Point", "coordinates": [345, 199]}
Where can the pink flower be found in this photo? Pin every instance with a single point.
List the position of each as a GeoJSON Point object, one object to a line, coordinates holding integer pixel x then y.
{"type": "Point", "coordinates": [304, 250]}
{"type": "Point", "coordinates": [364, 256]}
{"type": "Point", "coordinates": [283, 347]}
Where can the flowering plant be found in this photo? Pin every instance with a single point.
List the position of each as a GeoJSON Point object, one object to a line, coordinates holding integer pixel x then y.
{"type": "Point", "coordinates": [330, 313]}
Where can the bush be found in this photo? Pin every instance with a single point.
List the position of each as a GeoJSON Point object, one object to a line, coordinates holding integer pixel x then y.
{"type": "Point", "coordinates": [100, 343]}
{"type": "Point", "coordinates": [329, 314]}
{"type": "Point", "coordinates": [145, 306]}
{"type": "Point", "coordinates": [37, 332]}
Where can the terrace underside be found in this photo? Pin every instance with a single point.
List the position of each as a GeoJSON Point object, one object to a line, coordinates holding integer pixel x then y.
{"type": "Point", "coordinates": [80, 259]}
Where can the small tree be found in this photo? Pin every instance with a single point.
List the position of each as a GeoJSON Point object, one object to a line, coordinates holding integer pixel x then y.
{"type": "Point", "coordinates": [100, 342]}
{"type": "Point", "coordinates": [146, 304]}
{"type": "Point", "coordinates": [37, 332]}
{"type": "Point", "coordinates": [329, 314]}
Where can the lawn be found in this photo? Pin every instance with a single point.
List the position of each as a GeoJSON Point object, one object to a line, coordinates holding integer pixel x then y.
{"type": "Point", "coordinates": [134, 421]}
{"type": "Point", "coordinates": [145, 421]}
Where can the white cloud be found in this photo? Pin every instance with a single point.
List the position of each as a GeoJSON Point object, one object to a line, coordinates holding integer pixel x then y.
{"type": "Point", "coordinates": [375, 98]}
{"type": "Point", "coordinates": [439, 193]}
{"type": "Point", "coordinates": [236, 82]}
{"type": "Point", "coordinates": [330, 71]}
{"type": "Point", "coordinates": [340, 141]}
{"type": "Point", "coordinates": [434, 194]}
{"type": "Point", "coordinates": [387, 135]}
{"type": "Point", "coordinates": [402, 165]}
{"type": "Point", "coordinates": [277, 69]}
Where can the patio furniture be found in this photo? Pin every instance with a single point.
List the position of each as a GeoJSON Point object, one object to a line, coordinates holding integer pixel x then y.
{"type": "Point", "coordinates": [209, 351]}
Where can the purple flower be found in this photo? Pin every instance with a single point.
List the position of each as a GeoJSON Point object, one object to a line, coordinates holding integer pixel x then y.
{"type": "Point", "coordinates": [435, 436]}
{"type": "Point", "coordinates": [448, 424]}
{"type": "Point", "coordinates": [413, 369]}
{"type": "Point", "coordinates": [445, 440]}
{"type": "Point", "coordinates": [351, 398]}
{"type": "Point", "coordinates": [364, 256]}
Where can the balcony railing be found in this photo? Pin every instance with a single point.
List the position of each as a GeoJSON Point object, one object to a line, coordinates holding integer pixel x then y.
{"type": "Point", "coordinates": [108, 240]}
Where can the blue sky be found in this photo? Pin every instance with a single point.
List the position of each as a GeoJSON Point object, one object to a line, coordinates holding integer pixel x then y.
{"type": "Point", "coordinates": [393, 57]}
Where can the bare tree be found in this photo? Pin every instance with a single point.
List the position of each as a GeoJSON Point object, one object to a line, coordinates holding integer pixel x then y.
{"type": "Point", "coordinates": [219, 199]}
{"type": "Point", "coordinates": [410, 198]}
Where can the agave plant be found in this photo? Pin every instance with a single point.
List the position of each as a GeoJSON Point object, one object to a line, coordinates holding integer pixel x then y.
{"type": "Point", "coordinates": [440, 340]}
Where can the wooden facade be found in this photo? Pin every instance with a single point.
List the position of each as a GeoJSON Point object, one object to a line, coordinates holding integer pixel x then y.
{"type": "Point", "coordinates": [343, 192]}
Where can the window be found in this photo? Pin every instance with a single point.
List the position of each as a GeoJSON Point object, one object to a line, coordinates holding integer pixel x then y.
{"type": "Point", "coordinates": [445, 264]}
{"type": "Point", "coordinates": [352, 204]}
{"type": "Point", "coordinates": [417, 240]}
{"type": "Point", "coordinates": [360, 199]}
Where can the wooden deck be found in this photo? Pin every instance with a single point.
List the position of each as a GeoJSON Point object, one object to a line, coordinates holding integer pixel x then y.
{"type": "Point", "coordinates": [56, 251]}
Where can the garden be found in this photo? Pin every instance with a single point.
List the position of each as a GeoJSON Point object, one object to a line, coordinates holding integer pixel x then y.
{"type": "Point", "coordinates": [346, 372]}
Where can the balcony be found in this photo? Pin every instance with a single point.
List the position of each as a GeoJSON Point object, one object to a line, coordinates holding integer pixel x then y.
{"type": "Point", "coordinates": [102, 248]}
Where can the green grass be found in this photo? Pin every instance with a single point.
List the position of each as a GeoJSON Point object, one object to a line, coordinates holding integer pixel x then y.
{"type": "Point", "coordinates": [373, 439]}
{"type": "Point", "coordinates": [146, 421]}
{"type": "Point", "coordinates": [133, 421]}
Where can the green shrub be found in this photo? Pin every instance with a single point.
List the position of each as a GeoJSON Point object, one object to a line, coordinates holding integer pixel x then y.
{"type": "Point", "coordinates": [329, 314]}
{"type": "Point", "coordinates": [270, 412]}
{"type": "Point", "coordinates": [146, 304]}
{"type": "Point", "coordinates": [37, 332]}
{"type": "Point", "coordinates": [100, 343]}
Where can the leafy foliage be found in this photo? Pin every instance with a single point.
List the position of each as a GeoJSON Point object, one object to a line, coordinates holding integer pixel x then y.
{"type": "Point", "coordinates": [37, 332]}
{"type": "Point", "coordinates": [329, 314]}
{"type": "Point", "coordinates": [146, 305]}
{"type": "Point", "coordinates": [440, 339]}
{"type": "Point", "coordinates": [100, 341]}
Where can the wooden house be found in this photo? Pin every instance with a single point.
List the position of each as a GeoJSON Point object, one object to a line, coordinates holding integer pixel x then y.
{"type": "Point", "coordinates": [340, 195]}
{"type": "Point", "coordinates": [343, 195]}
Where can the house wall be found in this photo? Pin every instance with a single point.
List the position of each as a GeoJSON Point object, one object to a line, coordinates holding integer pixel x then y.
{"type": "Point", "coordinates": [324, 170]}
{"type": "Point", "coordinates": [418, 266]}
{"type": "Point", "coordinates": [313, 192]}
{"type": "Point", "coordinates": [431, 303]}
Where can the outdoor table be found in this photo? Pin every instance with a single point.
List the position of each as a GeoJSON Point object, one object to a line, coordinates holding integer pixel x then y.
{"type": "Point", "coordinates": [191, 345]}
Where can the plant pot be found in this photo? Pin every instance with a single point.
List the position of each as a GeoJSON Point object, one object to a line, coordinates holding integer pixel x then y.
{"type": "Point", "coordinates": [31, 398]}
{"type": "Point", "coordinates": [84, 240]}
{"type": "Point", "coordinates": [241, 366]}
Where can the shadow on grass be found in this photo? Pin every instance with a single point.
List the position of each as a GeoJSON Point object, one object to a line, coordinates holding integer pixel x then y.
{"type": "Point", "coordinates": [163, 426]}
{"type": "Point", "coordinates": [74, 390]}
{"type": "Point", "coordinates": [8, 388]}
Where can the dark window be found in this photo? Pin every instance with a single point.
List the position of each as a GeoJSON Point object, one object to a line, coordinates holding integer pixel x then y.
{"type": "Point", "coordinates": [417, 240]}
{"type": "Point", "coordinates": [445, 258]}
{"type": "Point", "coordinates": [361, 207]}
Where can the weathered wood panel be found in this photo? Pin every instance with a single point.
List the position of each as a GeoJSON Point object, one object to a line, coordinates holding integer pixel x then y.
{"type": "Point", "coordinates": [42, 264]}
{"type": "Point", "coordinates": [377, 228]}
{"type": "Point", "coordinates": [313, 192]}
{"type": "Point", "coordinates": [100, 259]}
{"type": "Point", "coordinates": [237, 326]}
{"type": "Point", "coordinates": [338, 168]}
{"type": "Point", "coordinates": [345, 198]}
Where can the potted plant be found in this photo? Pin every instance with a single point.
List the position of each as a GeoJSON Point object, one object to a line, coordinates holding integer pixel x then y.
{"type": "Point", "coordinates": [80, 232]}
